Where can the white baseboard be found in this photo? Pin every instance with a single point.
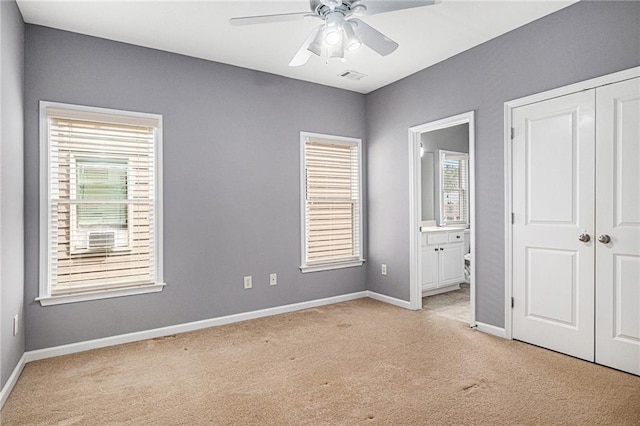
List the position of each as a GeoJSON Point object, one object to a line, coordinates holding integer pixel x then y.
{"type": "Point", "coordinates": [491, 329]}
{"type": "Point", "coordinates": [13, 379]}
{"type": "Point", "coordinates": [183, 328]}
{"type": "Point", "coordinates": [388, 299]}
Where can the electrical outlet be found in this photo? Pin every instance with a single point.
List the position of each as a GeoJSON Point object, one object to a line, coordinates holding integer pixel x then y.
{"type": "Point", "coordinates": [383, 269]}
{"type": "Point", "coordinates": [15, 325]}
{"type": "Point", "coordinates": [247, 282]}
{"type": "Point", "coordinates": [273, 279]}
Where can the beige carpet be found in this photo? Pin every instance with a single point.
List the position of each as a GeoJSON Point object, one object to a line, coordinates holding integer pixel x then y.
{"type": "Point", "coordinates": [359, 362]}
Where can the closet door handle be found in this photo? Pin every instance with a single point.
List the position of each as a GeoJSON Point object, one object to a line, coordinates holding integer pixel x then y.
{"type": "Point", "coordinates": [604, 239]}
{"type": "Point", "coordinates": [584, 238]}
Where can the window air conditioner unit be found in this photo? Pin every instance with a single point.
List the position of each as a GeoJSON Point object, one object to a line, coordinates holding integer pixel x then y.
{"type": "Point", "coordinates": [101, 240]}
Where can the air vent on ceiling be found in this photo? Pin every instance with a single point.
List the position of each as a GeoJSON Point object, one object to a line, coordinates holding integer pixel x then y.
{"type": "Point", "coordinates": [352, 75]}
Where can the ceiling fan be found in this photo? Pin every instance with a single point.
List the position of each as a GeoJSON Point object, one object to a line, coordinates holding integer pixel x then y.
{"type": "Point", "coordinates": [342, 29]}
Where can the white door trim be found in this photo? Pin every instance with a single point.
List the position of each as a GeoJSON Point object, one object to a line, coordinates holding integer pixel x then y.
{"type": "Point", "coordinates": [508, 168]}
{"type": "Point", "coordinates": [415, 208]}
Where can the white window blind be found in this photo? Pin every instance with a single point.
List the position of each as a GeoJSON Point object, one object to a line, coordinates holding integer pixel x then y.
{"type": "Point", "coordinates": [102, 212]}
{"type": "Point", "coordinates": [332, 204]}
{"type": "Point", "coordinates": [454, 181]}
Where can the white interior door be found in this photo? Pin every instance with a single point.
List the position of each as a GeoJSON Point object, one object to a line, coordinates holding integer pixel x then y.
{"type": "Point", "coordinates": [618, 217]}
{"type": "Point", "coordinates": [553, 197]}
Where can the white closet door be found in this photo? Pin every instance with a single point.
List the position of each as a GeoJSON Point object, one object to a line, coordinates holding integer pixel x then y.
{"type": "Point", "coordinates": [553, 198]}
{"type": "Point", "coordinates": [618, 216]}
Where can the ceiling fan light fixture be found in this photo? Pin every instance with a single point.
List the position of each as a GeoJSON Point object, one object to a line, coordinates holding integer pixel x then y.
{"type": "Point", "coordinates": [354, 46]}
{"type": "Point", "coordinates": [342, 30]}
{"type": "Point", "coordinates": [351, 41]}
{"type": "Point", "coordinates": [335, 51]}
{"type": "Point", "coordinates": [333, 36]}
{"type": "Point", "coordinates": [333, 28]}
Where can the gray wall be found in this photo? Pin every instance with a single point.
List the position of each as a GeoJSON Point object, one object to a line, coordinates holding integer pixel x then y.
{"type": "Point", "coordinates": [454, 138]}
{"type": "Point", "coordinates": [231, 180]}
{"type": "Point", "coordinates": [11, 187]}
{"type": "Point", "coordinates": [428, 185]}
{"type": "Point", "coordinates": [583, 41]}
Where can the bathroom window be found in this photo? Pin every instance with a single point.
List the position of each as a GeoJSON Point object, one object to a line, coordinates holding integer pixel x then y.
{"type": "Point", "coordinates": [331, 202]}
{"type": "Point", "coordinates": [454, 188]}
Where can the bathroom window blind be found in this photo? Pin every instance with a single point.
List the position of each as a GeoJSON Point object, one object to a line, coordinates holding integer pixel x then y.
{"type": "Point", "coordinates": [332, 205]}
{"type": "Point", "coordinates": [454, 180]}
{"type": "Point", "coordinates": [102, 219]}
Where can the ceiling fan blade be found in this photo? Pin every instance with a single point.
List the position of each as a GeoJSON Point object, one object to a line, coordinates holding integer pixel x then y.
{"type": "Point", "coordinates": [267, 19]}
{"type": "Point", "coordinates": [371, 7]}
{"type": "Point", "coordinates": [377, 41]}
{"type": "Point", "coordinates": [303, 54]}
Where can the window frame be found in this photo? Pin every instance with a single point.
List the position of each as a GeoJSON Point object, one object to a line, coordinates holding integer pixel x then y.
{"type": "Point", "coordinates": [45, 169]}
{"type": "Point", "coordinates": [329, 265]}
{"type": "Point", "coordinates": [442, 154]}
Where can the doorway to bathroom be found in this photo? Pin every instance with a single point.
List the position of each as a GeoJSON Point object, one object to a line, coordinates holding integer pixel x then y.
{"type": "Point", "coordinates": [442, 217]}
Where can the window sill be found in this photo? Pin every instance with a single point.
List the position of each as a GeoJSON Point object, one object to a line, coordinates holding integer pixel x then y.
{"type": "Point", "coordinates": [329, 266]}
{"type": "Point", "coordinates": [116, 251]}
{"type": "Point", "coordinates": [102, 294]}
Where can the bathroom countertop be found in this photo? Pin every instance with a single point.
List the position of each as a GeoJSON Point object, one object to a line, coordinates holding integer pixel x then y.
{"type": "Point", "coordinates": [442, 228]}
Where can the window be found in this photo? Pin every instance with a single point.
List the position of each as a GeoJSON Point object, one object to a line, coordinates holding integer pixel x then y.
{"type": "Point", "coordinates": [105, 223]}
{"type": "Point", "coordinates": [100, 203]}
{"type": "Point", "coordinates": [454, 183]}
{"type": "Point", "coordinates": [331, 202]}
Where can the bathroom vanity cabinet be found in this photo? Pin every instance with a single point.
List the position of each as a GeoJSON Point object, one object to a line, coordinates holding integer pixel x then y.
{"type": "Point", "coordinates": [442, 260]}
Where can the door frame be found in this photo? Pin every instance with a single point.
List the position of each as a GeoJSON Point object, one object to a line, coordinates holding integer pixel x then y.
{"type": "Point", "coordinates": [415, 205]}
{"type": "Point", "coordinates": [508, 169]}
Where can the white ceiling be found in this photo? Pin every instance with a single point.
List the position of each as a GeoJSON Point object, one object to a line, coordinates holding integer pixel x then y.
{"type": "Point", "coordinates": [427, 35]}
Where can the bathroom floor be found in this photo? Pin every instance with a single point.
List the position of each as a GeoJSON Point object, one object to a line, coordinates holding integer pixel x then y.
{"type": "Point", "coordinates": [455, 305]}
